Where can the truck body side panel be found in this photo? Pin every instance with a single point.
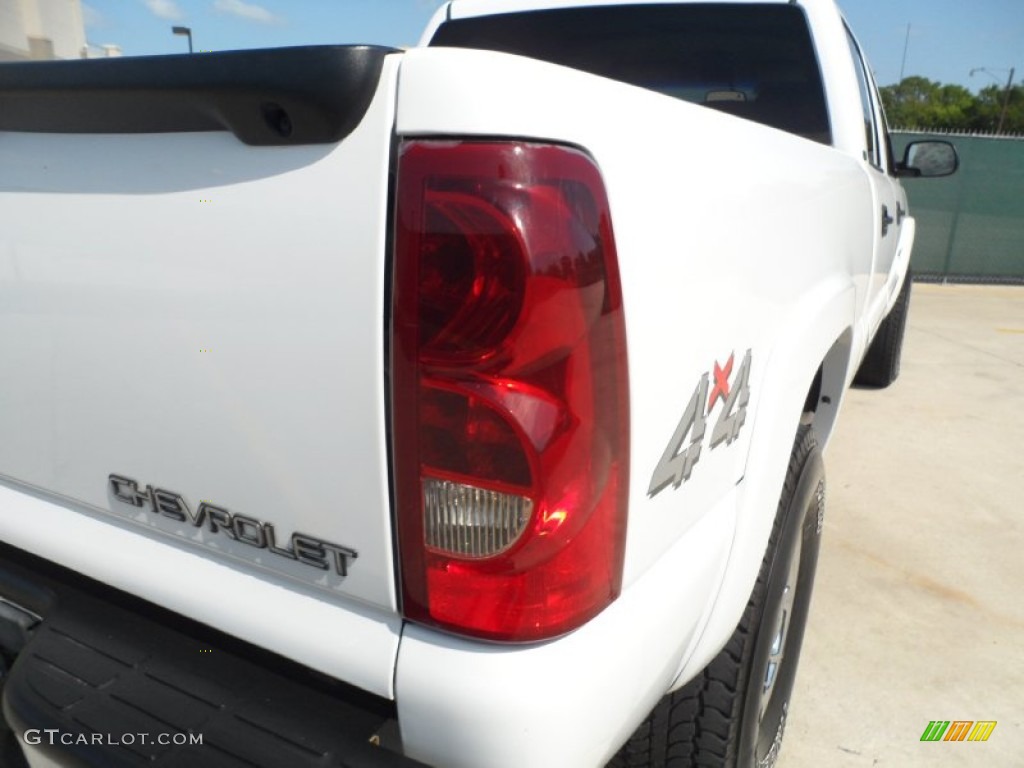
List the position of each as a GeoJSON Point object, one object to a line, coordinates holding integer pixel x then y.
{"type": "Point", "coordinates": [731, 236]}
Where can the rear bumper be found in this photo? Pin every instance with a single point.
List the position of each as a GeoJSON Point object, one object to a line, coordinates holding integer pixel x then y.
{"type": "Point", "coordinates": [95, 677]}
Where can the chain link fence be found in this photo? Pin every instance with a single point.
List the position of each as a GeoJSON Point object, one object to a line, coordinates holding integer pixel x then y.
{"type": "Point", "coordinates": [970, 226]}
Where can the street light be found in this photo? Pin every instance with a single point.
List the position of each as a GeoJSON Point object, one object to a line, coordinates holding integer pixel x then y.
{"type": "Point", "coordinates": [1006, 97]}
{"type": "Point", "coordinates": [184, 31]}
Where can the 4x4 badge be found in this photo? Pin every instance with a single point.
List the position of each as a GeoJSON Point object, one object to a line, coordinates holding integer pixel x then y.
{"type": "Point", "coordinates": [677, 462]}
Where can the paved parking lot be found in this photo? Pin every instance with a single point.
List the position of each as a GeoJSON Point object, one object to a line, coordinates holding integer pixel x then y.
{"type": "Point", "coordinates": [918, 611]}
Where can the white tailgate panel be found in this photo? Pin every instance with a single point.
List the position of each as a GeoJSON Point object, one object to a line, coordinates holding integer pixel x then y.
{"type": "Point", "coordinates": [206, 317]}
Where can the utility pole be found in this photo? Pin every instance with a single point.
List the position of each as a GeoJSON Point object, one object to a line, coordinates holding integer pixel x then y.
{"type": "Point", "coordinates": [1006, 101]}
{"type": "Point", "coordinates": [1006, 96]}
{"type": "Point", "coordinates": [906, 45]}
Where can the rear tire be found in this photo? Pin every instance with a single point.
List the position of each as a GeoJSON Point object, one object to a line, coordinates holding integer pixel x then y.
{"type": "Point", "coordinates": [734, 712]}
{"type": "Point", "coordinates": [881, 364]}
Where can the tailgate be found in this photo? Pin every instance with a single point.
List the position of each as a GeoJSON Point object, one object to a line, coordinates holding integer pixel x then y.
{"type": "Point", "coordinates": [192, 257]}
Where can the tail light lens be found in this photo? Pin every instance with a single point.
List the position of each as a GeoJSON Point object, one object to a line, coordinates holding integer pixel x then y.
{"type": "Point", "coordinates": [509, 399]}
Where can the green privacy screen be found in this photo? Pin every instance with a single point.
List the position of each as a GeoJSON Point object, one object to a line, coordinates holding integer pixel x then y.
{"type": "Point", "coordinates": [970, 226]}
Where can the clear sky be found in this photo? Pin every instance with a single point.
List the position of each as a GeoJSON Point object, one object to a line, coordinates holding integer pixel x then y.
{"type": "Point", "coordinates": [947, 37]}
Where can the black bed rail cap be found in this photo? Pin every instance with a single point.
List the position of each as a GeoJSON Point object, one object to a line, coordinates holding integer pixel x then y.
{"type": "Point", "coordinates": [266, 97]}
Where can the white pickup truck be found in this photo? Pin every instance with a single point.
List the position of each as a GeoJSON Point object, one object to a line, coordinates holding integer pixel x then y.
{"type": "Point", "coordinates": [459, 406]}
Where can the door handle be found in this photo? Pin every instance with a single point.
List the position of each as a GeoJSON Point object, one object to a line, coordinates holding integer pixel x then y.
{"type": "Point", "coordinates": [886, 220]}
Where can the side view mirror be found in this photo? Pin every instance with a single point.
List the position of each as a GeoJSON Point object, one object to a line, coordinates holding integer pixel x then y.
{"type": "Point", "coordinates": [928, 159]}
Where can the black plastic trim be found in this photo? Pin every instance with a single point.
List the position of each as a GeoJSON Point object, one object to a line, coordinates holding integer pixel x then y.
{"type": "Point", "coordinates": [103, 662]}
{"type": "Point", "coordinates": [268, 97]}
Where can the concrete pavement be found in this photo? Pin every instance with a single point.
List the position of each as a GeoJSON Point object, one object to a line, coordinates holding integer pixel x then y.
{"type": "Point", "coordinates": [918, 610]}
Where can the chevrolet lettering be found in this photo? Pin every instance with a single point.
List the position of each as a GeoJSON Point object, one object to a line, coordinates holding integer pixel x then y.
{"type": "Point", "coordinates": [307, 550]}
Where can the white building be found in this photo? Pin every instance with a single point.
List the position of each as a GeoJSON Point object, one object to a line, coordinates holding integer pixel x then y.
{"type": "Point", "coordinates": [41, 29]}
{"type": "Point", "coordinates": [101, 51]}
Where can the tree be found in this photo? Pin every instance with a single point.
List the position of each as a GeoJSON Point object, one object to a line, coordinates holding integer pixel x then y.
{"type": "Point", "coordinates": [988, 106]}
{"type": "Point", "coordinates": [918, 102]}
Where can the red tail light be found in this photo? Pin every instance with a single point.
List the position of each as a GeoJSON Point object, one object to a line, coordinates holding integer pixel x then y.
{"type": "Point", "coordinates": [510, 402]}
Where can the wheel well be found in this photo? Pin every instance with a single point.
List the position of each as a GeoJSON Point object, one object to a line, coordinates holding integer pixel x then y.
{"type": "Point", "coordinates": [825, 392]}
{"type": "Point", "coordinates": [813, 394]}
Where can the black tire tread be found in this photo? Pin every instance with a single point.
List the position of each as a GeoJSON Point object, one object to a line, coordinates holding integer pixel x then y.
{"type": "Point", "coordinates": [699, 723]}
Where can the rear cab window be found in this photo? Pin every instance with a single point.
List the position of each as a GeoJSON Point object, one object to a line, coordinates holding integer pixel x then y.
{"type": "Point", "coordinates": [752, 60]}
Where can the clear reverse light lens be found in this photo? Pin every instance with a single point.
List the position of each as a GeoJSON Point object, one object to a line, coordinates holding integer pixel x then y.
{"type": "Point", "coordinates": [468, 521]}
